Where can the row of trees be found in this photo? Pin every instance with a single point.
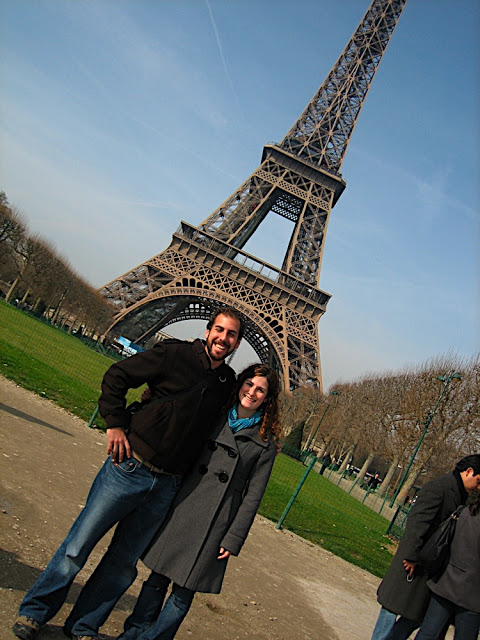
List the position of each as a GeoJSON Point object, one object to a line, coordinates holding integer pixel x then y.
{"type": "Point", "coordinates": [376, 422]}
{"type": "Point", "coordinates": [34, 276]}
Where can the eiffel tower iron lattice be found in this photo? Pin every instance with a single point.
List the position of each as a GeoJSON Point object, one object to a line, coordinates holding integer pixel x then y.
{"type": "Point", "coordinates": [299, 179]}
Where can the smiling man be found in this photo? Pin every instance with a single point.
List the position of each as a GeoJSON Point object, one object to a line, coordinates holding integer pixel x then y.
{"type": "Point", "coordinates": [148, 453]}
{"type": "Point", "coordinates": [222, 336]}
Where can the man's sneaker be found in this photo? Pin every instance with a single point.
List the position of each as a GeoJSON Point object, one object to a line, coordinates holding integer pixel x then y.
{"type": "Point", "coordinates": [26, 628]}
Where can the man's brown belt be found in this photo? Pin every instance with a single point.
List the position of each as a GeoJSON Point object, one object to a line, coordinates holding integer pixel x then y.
{"type": "Point", "coordinates": [152, 467]}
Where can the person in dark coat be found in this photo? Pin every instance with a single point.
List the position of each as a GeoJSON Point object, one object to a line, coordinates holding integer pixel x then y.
{"type": "Point", "coordinates": [213, 511]}
{"type": "Point", "coordinates": [403, 592]}
{"type": "Point", "coordinates": [190, 383]}
{"type": "Point", "coordinates": [456, 594]}
{"type": "Point", "coordinates": [326, 462]}
{"type": "Point", "coordinates": [373, 482]}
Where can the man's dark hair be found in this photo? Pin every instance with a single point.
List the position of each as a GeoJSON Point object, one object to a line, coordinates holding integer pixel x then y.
{"type": "Point", "coordinates": [230, 312]}
{"type": "Point", "coordinates": [468, 462]}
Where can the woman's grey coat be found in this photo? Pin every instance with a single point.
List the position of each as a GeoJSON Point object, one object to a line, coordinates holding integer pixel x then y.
{"type": "Point", "coordinates": [435, 502]}
{"type": "Point", "coordinates": [460, 583]}
{"type": "Point", "coordinates": [214, 508]}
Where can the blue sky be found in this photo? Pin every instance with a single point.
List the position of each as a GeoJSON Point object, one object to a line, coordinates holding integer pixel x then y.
{"type": "Point", "coordinates": [121, 118]}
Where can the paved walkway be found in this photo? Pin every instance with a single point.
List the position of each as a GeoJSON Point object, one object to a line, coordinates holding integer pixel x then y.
{"type": "Point", "coordinates": [279, 588]}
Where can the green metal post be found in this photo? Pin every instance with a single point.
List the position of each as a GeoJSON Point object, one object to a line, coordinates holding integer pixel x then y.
{"type": "Point", "coordinates": [94, 415]}
{"type": "Point", "coordinates": [295, 493]}
{"type": "Point", "coordinates": [385, 496]}
{"type": "Point", "coordinates": [366, 494]}
{"type": "Point", "coordinates": [392, 521]}
{"type": "Point", "coordinates": [351, 488]}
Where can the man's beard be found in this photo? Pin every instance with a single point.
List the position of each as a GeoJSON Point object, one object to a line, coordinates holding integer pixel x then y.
{"type": "Point", "coordinates": [219, 358]}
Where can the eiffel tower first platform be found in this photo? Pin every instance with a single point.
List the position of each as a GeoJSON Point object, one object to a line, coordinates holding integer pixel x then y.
{"type": "Point", "coordinates": [299, 179]}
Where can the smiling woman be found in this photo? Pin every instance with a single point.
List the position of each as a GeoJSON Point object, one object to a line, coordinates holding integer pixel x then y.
{"type": "Point", "coordinates": [214, 509]}
{"type": "Point", "coordinates": [251, 396]}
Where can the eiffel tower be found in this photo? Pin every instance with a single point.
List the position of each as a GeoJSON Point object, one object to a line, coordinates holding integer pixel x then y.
{"type": "Point", "coordinates": [299, 179]}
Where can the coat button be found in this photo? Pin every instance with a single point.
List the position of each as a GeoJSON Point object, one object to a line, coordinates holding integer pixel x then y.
{"type": "Point", "coordinates": [203, 469]}
{"type": "Point", "coordinates": [232, 453]}
{"type": "Point", "coordinates": [222, 476]}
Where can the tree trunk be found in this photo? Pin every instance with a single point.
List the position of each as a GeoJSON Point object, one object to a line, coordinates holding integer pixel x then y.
{"type": "Point", "coordinates": [335, 453]}
{"type": "Point", "coordinates": [364, 469]}
{"type": "Point", "coordinates": [389, 475]}
{"type": "Point", "coordinates": [408, 484]}
{"type": "Point", "coordinates": [306, 431]}
{"type": "Point", "coordinates": [57, 312]}
{"type": "Point", "coordinates": [321, 451]}
{"type": "Point", "coordinates": [347, 457]}
{"type": "Point", "coordinates": [12, 289]}
{"type": "Point", "coordinates": [37, 304]}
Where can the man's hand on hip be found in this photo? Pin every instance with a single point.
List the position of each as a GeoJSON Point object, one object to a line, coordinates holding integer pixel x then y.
{"type": "Point", "coordinates": [118, 444]}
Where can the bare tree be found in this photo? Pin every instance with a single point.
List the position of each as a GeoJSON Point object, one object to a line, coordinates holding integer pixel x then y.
{"type": "Point", "coordinates": [383, 418]}
{"type": "Point", "coordinates": [13, 230]}
{"type": "Point", "coordinates": [34, 271]}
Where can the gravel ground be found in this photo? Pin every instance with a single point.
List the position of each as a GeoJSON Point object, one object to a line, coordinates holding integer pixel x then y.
{"type": "Point", "coordinates": [280, 587]}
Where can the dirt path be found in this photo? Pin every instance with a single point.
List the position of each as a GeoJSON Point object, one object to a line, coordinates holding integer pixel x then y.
{"type": "Point", "coordinates": [279, 588]}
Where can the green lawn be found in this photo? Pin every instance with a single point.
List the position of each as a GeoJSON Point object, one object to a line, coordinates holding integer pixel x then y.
{"type": "Point", "coordinates": [51, 362]}
{"type": "Point", "coordinates": [60, 367]}
{"type": "Point", "coordinates": [326, 515]}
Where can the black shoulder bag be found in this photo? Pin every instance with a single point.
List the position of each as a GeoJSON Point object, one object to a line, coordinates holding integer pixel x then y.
{"type": "Point", "coordinates": [435, 553]}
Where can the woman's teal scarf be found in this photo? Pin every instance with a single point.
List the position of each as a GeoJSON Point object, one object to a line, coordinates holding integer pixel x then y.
{"type": "Point", "coordinates": [237, 423]}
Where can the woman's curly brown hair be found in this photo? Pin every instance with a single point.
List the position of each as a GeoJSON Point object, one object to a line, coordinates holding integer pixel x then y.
{"type": "Point", "coordinates": [270, 425]}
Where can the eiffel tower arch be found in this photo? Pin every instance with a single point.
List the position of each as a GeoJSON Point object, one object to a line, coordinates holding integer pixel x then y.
{"type": "Point", "coordinates": [299, 179]}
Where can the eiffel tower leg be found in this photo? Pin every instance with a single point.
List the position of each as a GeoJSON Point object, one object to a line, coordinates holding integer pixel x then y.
{"type": "Point", "coordinates": [170, 314]}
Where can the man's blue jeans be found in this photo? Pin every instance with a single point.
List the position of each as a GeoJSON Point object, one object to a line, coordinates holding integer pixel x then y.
{"type": "Point", "coordinates": [388, 628]}
{"type": "Point", "coordinates": [126, 493]}
{"type": "Point", "coordinates": [439, 612]}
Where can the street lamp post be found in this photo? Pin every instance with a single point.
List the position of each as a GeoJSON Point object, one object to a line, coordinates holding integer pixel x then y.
{"type": "Point", "coordinates": [446, 379]}
{"type": "Point", "coordinates": [309, 441]}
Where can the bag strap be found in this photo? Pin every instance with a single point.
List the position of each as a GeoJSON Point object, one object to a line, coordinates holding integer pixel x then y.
{"type": "Point", "coordinates": [456, 514]}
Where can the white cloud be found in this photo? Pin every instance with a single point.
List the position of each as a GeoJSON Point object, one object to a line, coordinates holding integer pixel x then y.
{"type": "Point", "coordinates": [222, 56]}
